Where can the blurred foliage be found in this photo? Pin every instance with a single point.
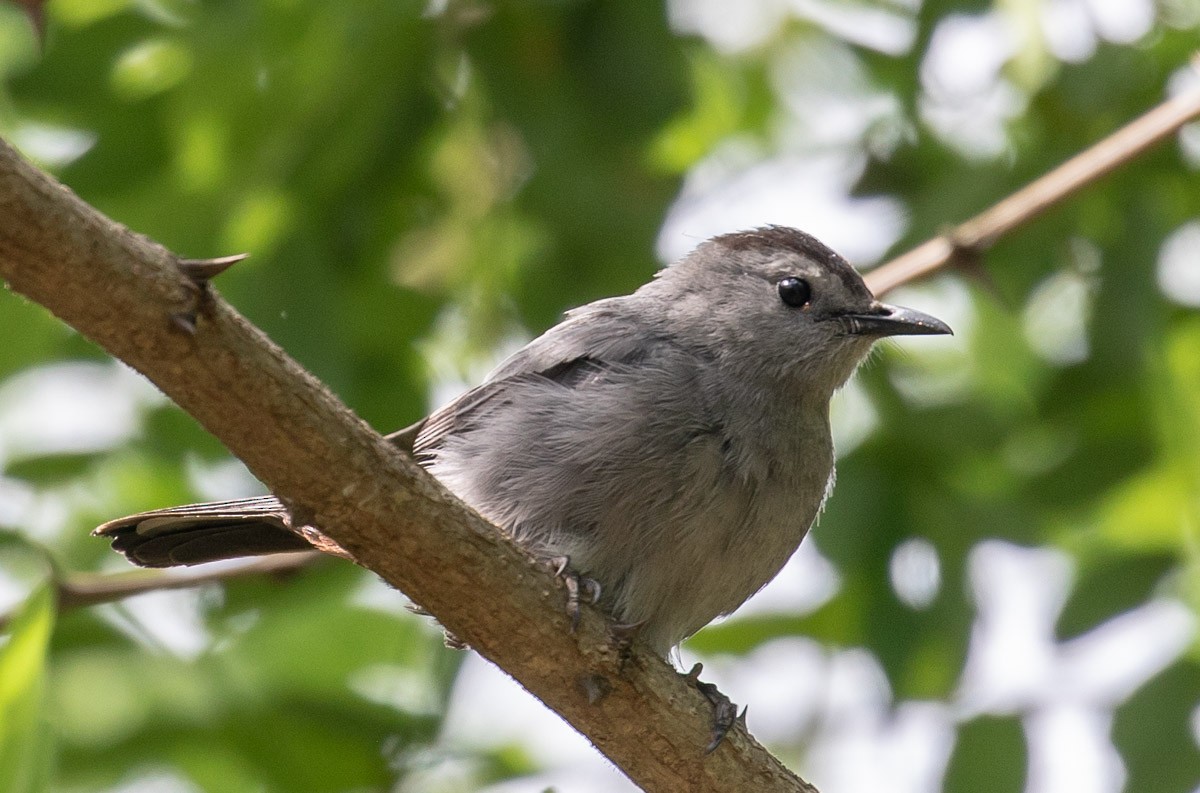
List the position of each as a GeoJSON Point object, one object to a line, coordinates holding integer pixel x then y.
{"type": "Point", "coordinates": [25, 740]}
{"type": "Point", "coordinates": [420, 184]}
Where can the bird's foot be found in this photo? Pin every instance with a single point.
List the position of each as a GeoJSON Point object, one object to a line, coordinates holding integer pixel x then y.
{"type": "Point", "coordinates": [622, 635]}
{"type": "Point", "coordinates": [419, 610]}
{"type": "Point", "coordinates": [576, 585]}
{"type": "Point", "coordinates": [449, 639]}
{"type": "Point", "coordinates": [725, 713]}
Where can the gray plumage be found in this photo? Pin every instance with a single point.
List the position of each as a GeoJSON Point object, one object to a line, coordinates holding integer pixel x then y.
{"type": "Point", "coordinates": [673, 443]}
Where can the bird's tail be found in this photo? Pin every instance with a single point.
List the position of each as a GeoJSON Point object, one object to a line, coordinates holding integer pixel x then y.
{"type": "Point", "coordinates": [199, 533]}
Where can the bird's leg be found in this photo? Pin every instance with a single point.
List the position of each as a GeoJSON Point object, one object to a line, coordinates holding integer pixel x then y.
{"type": "Point", "coordinates": [725, 713]}
{"type": "Point", "coordinates": [578, 588]}
{"type": "Point", "coordinates": [622, 635]}
{"type": "Point", "coordinates": [575, 583]}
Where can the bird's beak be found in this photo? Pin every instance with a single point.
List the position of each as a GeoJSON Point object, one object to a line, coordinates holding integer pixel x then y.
{"type": "Point", "coordinates": [884, 320]}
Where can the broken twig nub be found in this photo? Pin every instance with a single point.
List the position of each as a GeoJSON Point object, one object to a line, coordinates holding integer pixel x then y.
{"type": "Point", "coordinates": [201, 270]}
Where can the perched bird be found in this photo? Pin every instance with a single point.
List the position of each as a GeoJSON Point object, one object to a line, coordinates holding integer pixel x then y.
{"type": "Point", "coordinates": [672, 444]}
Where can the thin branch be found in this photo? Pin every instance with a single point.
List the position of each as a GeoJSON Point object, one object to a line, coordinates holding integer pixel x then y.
{"type": "Point", "coordinates": [79, 590]}
{"type": "Point", "coordinates": [976, 235]}
{"type": "Point", "coordinates": [83, 589]}
{"type": "Point", "coordinates": [35, 11]}
{"type": "Point", "coordinates": [123, 291]}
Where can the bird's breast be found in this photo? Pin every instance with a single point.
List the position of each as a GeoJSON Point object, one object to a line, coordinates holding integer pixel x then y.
{"type": "Point", "coordinates": [732, 511]}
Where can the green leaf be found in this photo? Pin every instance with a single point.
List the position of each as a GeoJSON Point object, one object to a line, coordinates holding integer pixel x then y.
{"type": "Point", "coordinates": [1153, 732]}
{"type": "Point", "coordinates": [989, 755]}
{"type": "Point", "coordinates": [1112, 585]}
{"type": "Point", "coordinates": [25, 744]}
{"type": "Point", "coordinates": [719, 101]}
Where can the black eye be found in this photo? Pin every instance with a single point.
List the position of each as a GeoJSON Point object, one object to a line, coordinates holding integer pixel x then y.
{"type": "Point", "coordinates": [795, 292]}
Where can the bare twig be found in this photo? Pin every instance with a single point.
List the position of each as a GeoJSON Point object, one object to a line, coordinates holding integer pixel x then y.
{"type": "Point", "coordinates": [79, 590]}
{"type": "Point", "coordinates": [980, 232]}
{"type": "Point", "coordinates": [82, 589]}
{"type": "Point", "coordinates": [35, 10]}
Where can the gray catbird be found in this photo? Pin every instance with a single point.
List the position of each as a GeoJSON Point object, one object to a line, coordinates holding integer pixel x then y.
{"type": "Point", "coordinates": [672, 444]}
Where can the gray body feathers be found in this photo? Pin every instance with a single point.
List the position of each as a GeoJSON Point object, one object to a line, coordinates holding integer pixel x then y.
{"type": "Point", "coordinates": [673, 443]}
{"type": "Point", "coordinates": [634, 459]}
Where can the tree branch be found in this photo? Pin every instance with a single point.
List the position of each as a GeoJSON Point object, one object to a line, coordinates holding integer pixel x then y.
{"type": "Point", "coordinates": [78, 590]}
{"type": "Point", "coordinates": [126, 293]}
{"type": "Point", "coordinates": [976, 235]}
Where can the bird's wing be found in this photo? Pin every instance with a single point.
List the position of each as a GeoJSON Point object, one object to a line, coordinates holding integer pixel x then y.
{"type": "Point", "coordinates": [607, 332]}
{"type": "Point", "coordinates": [579, 351]}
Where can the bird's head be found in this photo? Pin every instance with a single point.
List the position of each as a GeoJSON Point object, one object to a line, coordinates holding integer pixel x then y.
{"type": "Point", "coordinates": [777, 302]}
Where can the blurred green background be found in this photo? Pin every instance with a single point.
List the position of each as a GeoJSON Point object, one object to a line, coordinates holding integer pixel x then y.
{"type": "Point", "coordinates": [1001, 594]}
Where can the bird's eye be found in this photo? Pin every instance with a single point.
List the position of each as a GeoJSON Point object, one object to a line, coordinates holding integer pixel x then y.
{"type": "Point", "coordinates": [795, 292]}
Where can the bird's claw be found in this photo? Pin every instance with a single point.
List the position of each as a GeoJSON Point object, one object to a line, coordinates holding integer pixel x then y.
{"type": "Point", "coordinates": [575, 584]}
{"type": "Point", "coordinates": [725, 713]}
{"type": "Point", "coordinates": [622, 635]}
{"type": "Point", "coordinates": [449, 639]}
{"type": "Point", "coordinates": [452, 642]}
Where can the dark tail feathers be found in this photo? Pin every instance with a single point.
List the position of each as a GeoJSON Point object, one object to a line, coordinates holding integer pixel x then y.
{"type": "Point", "coordinates": [199, 533]}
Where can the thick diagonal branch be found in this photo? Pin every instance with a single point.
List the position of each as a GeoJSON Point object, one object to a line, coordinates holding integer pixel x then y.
{"type": "Point", "coordinates": [122, 291]}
